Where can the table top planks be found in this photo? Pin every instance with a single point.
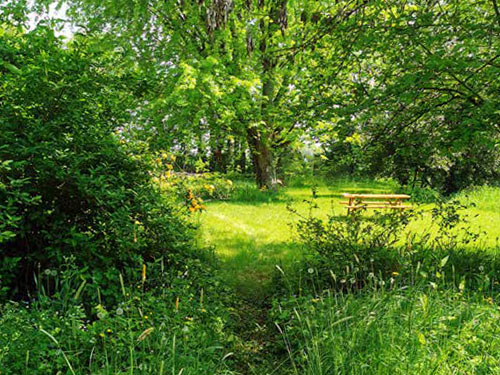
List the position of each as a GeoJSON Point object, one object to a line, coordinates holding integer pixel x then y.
{"type": "Point", "coordinates": [376, 196]}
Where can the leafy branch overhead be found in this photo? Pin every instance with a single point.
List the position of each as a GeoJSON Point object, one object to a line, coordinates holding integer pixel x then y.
{"type": "Point", "coordinates": [418, 80]}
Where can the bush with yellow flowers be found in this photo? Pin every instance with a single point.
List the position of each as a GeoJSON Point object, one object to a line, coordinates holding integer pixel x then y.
{"type": "Point", "coordinates": [193, 203]}
{"type": "Point", "coordinates": [174, 181]}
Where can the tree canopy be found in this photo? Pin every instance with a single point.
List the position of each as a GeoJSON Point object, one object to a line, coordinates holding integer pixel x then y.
{"type": "Point", "coordinates": [406, 89]}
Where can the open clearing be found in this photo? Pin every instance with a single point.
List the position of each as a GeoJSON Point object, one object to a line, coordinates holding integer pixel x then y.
{"type": "Point", "coordinates": [252, 236]}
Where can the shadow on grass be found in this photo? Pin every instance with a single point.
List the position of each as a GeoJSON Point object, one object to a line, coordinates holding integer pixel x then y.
{"type": "Point", "coordinates": [249, 266]}
{"type": "Point", "coordinates": [249, 193]}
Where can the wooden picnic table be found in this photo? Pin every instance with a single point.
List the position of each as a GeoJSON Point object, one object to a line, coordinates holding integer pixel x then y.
{"type": "Point", "coordinates": [359, 201]}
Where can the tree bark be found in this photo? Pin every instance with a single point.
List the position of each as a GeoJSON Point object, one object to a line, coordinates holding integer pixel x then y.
{"type": "Point", "coordinates": [263, 160]}
{"type": "Point", "coordinates": [260, 138]}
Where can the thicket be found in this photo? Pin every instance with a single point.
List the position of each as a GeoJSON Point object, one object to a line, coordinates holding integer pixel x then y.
{"type": "Point", "coordinates": [99, 267]}
{"type": "Point", "coordinates": [70, 184]}
{"type": "Point", "coordinates": [350, 252]}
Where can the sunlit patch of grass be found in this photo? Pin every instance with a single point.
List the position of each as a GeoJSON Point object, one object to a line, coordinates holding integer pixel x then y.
{"type": "Point", "coordinates": [486, 198]}
{"type": "Point", "coordinates": [252, 236]}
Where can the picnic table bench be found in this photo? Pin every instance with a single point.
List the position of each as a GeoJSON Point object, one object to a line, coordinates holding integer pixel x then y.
{"type": "Point", "coordinates": [390, 201]}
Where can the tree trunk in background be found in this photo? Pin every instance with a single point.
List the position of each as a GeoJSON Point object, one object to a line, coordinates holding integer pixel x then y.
{"type": "Point", "coordinates": [260, 140]}
{"type": "Point", "coordinates": [243, 159]}
{"type": "Point", "coordinates": [228, 156]}
{"type": "Point", "coordinates": [216, 146]}
{"type": "Point", "coordinates": [239, 155]}
{"type": "Point", "coordinates": [263, 160]}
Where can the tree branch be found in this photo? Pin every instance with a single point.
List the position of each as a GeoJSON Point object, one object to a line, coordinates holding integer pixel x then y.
{"type": "Point", "coordinates": [497, 11]}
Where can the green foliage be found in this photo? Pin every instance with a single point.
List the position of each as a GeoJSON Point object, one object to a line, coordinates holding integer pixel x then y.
{"type": "Point", "coordinates": [423, 194]}
{"type": "Point", "coordinates": [415, 330]}
{"type": "Point", "coordinates": [419, 100]}
{"type": "Point", "coordinates": [70, 185]}
{"type": "Point", "coordinates": [205, 185]}
{"type": "Point", "coordinates": [403, 90]}
{"type": "Point", "coordinates": [353, 251]}
{"type": "Point", "coordinates": [160, 324]}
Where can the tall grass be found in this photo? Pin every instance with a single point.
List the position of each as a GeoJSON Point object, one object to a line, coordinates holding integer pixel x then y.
{"type": "Point", "coordinates": [159, 326]}
{"type": "Point", "coordinates": [418, 330]}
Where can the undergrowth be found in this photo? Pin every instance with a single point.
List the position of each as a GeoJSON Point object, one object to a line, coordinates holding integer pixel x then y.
{"type": "Point", "coordinates": [369, 297]}
{"type": "Point", "coordinates": [161, 323]}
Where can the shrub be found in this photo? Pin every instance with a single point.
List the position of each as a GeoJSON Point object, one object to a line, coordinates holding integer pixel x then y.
{"type": "Point", "coordinates": [423, 194]}
{"type": "Point", "coordinates": [350, 252]}
{"type": "Point", "coordinates": [69, 183]}
{"type": "Point", "coordinates": [204, 185]}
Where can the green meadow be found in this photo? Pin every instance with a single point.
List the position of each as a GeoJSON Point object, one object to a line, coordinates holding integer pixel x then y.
{"type": "Point", "coordinates": [253, 232]}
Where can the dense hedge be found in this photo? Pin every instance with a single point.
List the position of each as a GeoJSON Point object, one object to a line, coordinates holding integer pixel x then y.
{"type": "Point", "coordinates": [69, 184]}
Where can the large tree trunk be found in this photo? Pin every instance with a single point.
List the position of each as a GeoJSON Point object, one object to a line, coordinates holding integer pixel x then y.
{"type": "Point", "coordinates": [261, 138]}
{"type": "Point", "coordinates": [263, 160]}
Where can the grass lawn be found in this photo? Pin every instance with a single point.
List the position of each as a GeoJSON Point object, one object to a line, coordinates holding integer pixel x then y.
{"type": "Point", "coordinates": [252, 234]}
